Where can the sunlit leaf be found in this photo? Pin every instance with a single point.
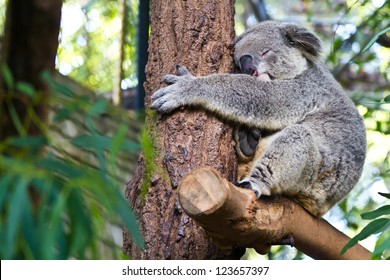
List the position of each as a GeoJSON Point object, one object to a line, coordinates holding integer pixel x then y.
{"type": "Point", "coordinates": [373, 40]}
{"type": "Point", "coordinates": [338, 42]}
{"type": "Point", "coordinates": [382, 246]}
{"type": "Point", "coordinates": [375, 226]}
{"type": "Point", "coordinates": [384, 210]}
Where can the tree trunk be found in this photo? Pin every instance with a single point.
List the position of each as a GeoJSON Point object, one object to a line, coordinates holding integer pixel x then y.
{"type": "Point", "coordinates": [198, 35]}
{"type": "Point", "coordinates": [29, 47]}
{"type": "Point", "coordinates": [117, 98]}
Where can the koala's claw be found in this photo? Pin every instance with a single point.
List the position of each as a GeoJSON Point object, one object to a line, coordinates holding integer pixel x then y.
{"type": "Point", "coordinates": [246, 184]}
{"type": "Point", "coordinates": [159, 93]}
{"type": "Point", "coordinates": [169, 98]}
{"type": "Point", "coordinates": [171, 79]}
{"type": "Point", "coordinates": [182, 71]}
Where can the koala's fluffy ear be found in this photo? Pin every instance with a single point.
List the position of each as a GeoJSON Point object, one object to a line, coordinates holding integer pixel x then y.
{"type": "Point", "coordinates": [303, 39]}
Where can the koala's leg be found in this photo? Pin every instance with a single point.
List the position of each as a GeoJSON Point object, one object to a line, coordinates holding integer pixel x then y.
{"type": "Point", "coordinates": [288, 164]}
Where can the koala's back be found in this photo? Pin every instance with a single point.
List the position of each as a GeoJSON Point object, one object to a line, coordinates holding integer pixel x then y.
{"type": "Point", "coordinates": [338, 132]}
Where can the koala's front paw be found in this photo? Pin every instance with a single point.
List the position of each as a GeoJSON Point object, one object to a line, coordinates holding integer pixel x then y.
{"type": "Point", "coordinates": [258, 189]}
{"type": "Point", "coordinates": [165, 100]}
{"type": "Point", "coordinates": [175, 95]}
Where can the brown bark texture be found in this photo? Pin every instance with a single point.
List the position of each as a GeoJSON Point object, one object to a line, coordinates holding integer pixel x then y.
{"type": "Point", "coordinates": [198, 35]}
{"type": "Point", "coordinates": [28, 47]}
{"type": "Point", "coordinates": [234, 218]}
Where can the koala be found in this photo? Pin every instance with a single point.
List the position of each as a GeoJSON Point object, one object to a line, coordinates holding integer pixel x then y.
{"type": "Point", "coordinates": [303, 134]}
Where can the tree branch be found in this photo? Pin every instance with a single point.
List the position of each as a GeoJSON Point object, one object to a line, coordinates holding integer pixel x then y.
{"type": "Point", "coordinates": [234, 218]}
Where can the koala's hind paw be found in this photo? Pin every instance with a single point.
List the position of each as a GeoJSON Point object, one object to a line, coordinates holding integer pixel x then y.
{"type": "Point", "coordinates": [248, 141]}
{"type": "Point", "coordinates": [246, 184]}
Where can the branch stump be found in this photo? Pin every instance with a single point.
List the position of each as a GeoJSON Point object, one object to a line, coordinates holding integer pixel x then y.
{"type": "Point", "coordinates": [234, 218]}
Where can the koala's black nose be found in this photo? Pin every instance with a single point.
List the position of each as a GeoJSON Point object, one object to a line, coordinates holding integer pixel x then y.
{"type": "Point", "coordinates": [246, 64]}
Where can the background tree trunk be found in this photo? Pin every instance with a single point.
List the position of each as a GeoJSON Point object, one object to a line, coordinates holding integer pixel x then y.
{"type": "Point", "coordinates": [198, 35]}
{"type": "Point", "coordinates": [29, 47]}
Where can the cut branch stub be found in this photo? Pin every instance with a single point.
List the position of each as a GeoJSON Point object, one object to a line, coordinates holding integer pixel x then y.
{"type": "Point", "coordinates": [234, 218]}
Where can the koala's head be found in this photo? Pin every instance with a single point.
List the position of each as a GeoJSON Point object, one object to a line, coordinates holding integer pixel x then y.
{"type": "Point", "coordinates": [276, 50]}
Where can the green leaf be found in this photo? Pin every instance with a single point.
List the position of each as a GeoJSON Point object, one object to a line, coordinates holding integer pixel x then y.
{"type": "Point", "coordinates": [16, 120]}
{"type": "Point", "coordinates": [17, 201]}
{"type": "Point", "coordinates": [5, 184]}
{"type": "Point", "coordinates": [25, 88]}
{"type": "Point", "coordinates": [61, 167]}
{"type": "Point", "coordinates": [62, 114]}
{"type": "Point", "coordinates": [379, 248]}
{"type": "Point", "coordinates": [117, 142]}
{"type": "Point", "coordinates": [130, 222]}
{"type": "Point", "coordinates": [373, 40]}
{"type": "Point", "coordinates": [387, 195]}
{"type": "Point", "coordinates": [337, 43]}
{"type": "Point", "coordinates": [32, 240]}
{"type": "Point", "coordinates": [66, 112]}
{"type": "Point", "coordinates": [91, 141]}
{"type": "Point", "coordinates": [56, 87]}
{"type": "Point", "coordinates": [8, 77]}
{"type": "Point", "coordinates": [375, 226]}
{"type": "Point", "coordinates": [54, 226]}
{"type": "Point", "coordinates": [32, 142]}
{"type": "Point", "coordinates": [80, 224]}
{"type": "Point", "coordinates": [387, 99]}
{"type": "Point", "coordinates": [100, 142]}
{"type": "Point", "coordinates": [384, 210]}
{"type": "Point", "coordinates": [64, 90]}
{"type": "Point", "coordinates": [98, 108]}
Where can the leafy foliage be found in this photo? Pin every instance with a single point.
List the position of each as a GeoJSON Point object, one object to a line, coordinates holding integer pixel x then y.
{"type": "Point", "coordinates": [53, 207]}
{"type": "Point", "coordinates": [89, 51]}
{"type": "Point", "coordinates": [378, 225]}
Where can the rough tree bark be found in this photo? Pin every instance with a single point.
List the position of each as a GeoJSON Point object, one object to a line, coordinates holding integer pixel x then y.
{"type": "Point", "coordinates": [198, 35]}
{"type": "Point", "coordinates": [28, 47]}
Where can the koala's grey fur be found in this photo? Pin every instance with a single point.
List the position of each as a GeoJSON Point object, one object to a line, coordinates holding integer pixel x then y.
{"type": "Point", "coordinates": [316, 149]}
